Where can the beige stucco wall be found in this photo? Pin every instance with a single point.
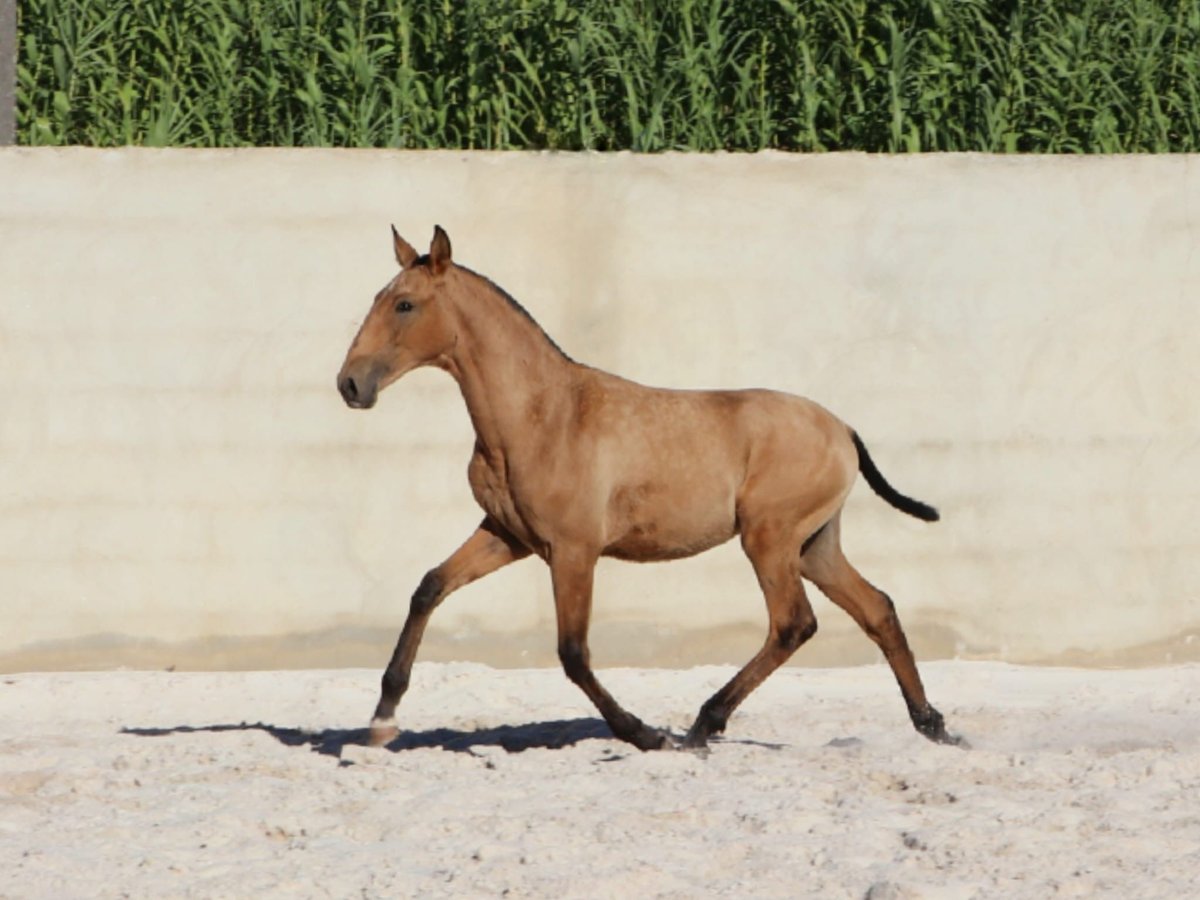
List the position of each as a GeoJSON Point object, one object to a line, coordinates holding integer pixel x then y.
{"type": "Point", "coordinates": [1015, 338]}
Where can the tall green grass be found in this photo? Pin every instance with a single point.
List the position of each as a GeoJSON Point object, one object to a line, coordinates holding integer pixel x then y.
{"type": "Point", "coordinates": [647, 75]}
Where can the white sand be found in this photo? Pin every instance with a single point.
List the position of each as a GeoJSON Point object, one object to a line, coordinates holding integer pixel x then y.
{"type": "Point", "coordinates": [1080, 783]}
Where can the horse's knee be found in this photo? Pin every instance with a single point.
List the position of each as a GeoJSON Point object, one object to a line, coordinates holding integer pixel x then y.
{"type": "Point", "coordinates": [573, 655]}
{"type": "Point", "coordinates": [797, 630]}
{"type": "Point", "coordinates": [427, 594]}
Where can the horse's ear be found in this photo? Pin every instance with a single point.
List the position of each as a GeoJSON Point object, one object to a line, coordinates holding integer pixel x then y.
{"type": "Point", "coordinates": [439, 251]}
{"type": "Point", "coordinates": [405, 254]}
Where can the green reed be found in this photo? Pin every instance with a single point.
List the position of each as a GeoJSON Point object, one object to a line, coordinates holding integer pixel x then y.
{"type": "Point", "coordinates": [646, 75]}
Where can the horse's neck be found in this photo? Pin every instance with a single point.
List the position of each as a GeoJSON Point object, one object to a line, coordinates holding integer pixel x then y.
{"type": "Point", "coordinates": [505, 366]}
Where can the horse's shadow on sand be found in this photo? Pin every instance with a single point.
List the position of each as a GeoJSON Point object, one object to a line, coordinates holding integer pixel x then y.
{"type": "Point", "coordinates": [331, 742]}
{"type": "Point", "coordinates": [553, 735]}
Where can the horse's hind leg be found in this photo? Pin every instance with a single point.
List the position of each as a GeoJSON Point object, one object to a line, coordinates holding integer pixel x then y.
{"type": "Point", "coordinates": [790, 623]}
{"type": "Point", "coordinates": [485, 551]}
{"type": "Point", "coordinates": [827, 567]}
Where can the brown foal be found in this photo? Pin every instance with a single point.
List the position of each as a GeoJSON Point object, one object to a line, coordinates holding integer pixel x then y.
{"type": "Point", "coordinates": [571, 464]}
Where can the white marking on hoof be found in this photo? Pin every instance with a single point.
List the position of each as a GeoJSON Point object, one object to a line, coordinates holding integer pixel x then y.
{"type": "Point", "coordinates": [383, 731]}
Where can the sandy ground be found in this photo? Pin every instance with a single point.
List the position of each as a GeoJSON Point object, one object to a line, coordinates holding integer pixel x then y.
{"type": "Point", "coordinates": [157, 784]}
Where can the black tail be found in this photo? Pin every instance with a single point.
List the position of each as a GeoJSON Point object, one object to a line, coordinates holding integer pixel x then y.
{"type": "Point", "coordinates": [880, 486]}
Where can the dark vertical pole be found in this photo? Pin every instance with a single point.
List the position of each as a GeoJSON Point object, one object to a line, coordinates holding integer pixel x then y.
{"type": "Point", "coordinates": [8, 72]}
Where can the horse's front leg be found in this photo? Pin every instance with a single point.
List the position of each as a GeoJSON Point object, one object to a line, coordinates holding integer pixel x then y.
{"type": "Point", "coordinates": [488, 549]}
{"type": "Point", "coordinates": [572, 571]}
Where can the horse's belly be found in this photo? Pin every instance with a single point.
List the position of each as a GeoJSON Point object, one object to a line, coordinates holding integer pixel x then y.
{"type": "Point", "coordinates": [643, 545]}
{"type": "Point", "coordinates": [651, 532]}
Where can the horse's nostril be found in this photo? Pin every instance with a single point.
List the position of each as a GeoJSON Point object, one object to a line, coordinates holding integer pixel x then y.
{"type": "Point", "coordinates": [358, 395]}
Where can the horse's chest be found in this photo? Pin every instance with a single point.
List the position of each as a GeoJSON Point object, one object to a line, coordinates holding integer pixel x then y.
{"type": "Point", "coordinates": [490, 485]}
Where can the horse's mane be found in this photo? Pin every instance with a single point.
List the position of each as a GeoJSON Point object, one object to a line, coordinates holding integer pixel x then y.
{"type": "Point", "coordinates": [518, 307]}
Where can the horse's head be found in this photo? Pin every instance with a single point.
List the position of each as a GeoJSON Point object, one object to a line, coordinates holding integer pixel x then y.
{"type": "Point", "coordinates": [407, 325]}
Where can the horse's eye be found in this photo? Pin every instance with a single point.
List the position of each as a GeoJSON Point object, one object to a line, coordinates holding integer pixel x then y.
{"type": "Point", "coordinates": [404, 306]}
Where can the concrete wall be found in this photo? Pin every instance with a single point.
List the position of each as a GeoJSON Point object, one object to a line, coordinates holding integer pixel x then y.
{"type": "Point", "coordinates": [1015, 338]}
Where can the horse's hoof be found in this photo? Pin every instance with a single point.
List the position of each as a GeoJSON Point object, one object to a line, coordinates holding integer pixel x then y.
{"type": "Point", "coordinates": [952, 740]}
{"type": "Point", "coordinates": [939, 735]}
{"type": "Point", "coordinates": [929, 722]}
{"type": "Point", "coordinates": [654, 739]}
{"type": "Point", "coordinates": [382, 733]}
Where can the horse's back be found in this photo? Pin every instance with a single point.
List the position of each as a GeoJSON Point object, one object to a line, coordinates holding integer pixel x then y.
{"type": "Point", "coordinates": [718, 431]}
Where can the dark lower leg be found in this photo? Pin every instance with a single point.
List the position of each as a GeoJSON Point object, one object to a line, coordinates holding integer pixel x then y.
{"type": "Point", "coordinates": [625, 725]}
{"type": "Point", "coordinates": [572, 570]}
{"type": "Point", "coordinates": [889, 637]}
{"type": "Point", "coordinates": [715, 712]}
{"type": "Point", "coordinates": [791, 623]}
{"type": "Point", "coordinates": [396, 676]}
{"type": "Point", "coordinates": [875, 613]}
{"type": "Point", "coordinates": [488, 549]}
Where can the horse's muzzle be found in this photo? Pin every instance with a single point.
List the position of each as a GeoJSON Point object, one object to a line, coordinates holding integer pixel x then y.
{"type": "Point", "coordinates": [358, 394]}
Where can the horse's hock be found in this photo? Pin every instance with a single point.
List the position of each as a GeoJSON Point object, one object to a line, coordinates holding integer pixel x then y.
{"type": "Point", "coordinates": [183, 485]}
